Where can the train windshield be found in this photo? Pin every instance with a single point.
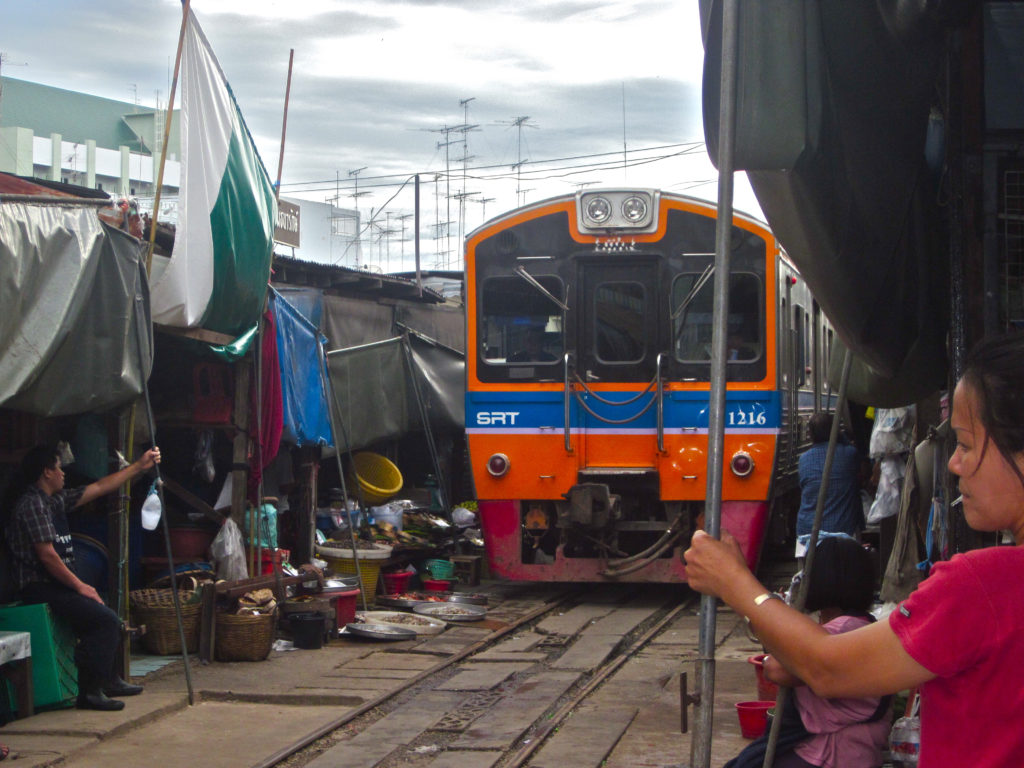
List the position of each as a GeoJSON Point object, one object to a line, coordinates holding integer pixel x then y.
{"type": "Point", "coordinates": [521, 323]}
{"type": "Point", "coordinates": [692, 303]}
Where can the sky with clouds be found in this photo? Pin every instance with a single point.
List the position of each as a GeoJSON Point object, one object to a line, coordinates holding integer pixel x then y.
{"type": "Point", "coordinates": [611, 90]}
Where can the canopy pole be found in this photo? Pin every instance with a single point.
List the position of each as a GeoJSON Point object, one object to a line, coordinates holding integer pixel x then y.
{"type": "Point", "coordinates": [167, 134]}
{"type": "Point", "coordinates": [700, 746]}
{"type": "Point", "coordinates": [819, 513]}
{"type": "Point", "coordinates": [325, 382]}
{"type": "Point", "coordinates": [139, 315]}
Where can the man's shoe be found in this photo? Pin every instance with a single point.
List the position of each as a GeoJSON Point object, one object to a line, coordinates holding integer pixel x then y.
{"type": "Point", "coordinates": [98, 700]}
{"type": "Point", "coordinates": [118, 687]}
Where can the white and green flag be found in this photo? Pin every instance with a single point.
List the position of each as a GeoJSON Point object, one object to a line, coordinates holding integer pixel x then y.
{"type": "Point", "coordinates": [218, 272]}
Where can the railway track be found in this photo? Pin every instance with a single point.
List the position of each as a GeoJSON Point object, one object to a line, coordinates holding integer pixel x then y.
{"type": "Point", "coordinates": [505, 700]}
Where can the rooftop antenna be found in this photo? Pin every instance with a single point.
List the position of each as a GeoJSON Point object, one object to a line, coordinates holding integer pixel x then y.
{"type": "Point", "coordinates": [519, 123]}
{"type": "Point", "coordinates": [464, 129]}
{"type": "Point", "coordinates": [356, 194]}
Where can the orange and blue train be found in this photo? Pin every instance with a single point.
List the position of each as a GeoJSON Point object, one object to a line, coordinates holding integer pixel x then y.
{"type": "Point", "coordinates": [589, 323]}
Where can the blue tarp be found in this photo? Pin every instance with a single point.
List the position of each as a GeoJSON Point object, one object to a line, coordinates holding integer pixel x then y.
{"type": "Point", "coordinates": [306, 421]}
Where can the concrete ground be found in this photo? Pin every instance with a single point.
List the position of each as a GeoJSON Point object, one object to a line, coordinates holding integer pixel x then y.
{"type": "Point", "coordinates": [246, 713]}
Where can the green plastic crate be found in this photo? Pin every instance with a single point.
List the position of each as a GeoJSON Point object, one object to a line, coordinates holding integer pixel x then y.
{"type": "Point", "coordinates": [54, 676]}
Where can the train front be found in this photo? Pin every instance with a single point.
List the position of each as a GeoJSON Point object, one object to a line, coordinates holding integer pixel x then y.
{"type": "Point", "coordinates": [589, 334]}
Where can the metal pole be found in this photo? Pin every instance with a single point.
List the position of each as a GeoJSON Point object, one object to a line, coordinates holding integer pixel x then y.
{"type": "Point", "coordinates": [339, 431]}
{"type": "Point", "coordinates": [700, 746]}
{"type": "Point", "coordinates": [416, 235]}
{"type": "Point", "coordinates": [175, 598]}
{"type": "Point", "coordinates": [425, 417]}
{"type": "Point", "coordinates": [819, 513]}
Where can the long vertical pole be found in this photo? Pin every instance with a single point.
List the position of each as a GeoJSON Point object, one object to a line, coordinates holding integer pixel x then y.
{"type": "Point", "coordinates": [167, 134]}
{"type": "Point", "coordinates": [284, 123]}
{"type": "Point", "coordinates": [416, 235]}
{"type": "Point", "coordinates": [700, 747]}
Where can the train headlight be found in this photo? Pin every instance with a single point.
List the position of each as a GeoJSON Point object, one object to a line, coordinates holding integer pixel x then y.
{"type": "Point", "coordinates": [598, 210]}
{"type": "Point", "coordinates": [498, 465]}
{"type": "Point", "coordinates": [741, 464]}
{"type": "Point", "coordinates": [634, 209]}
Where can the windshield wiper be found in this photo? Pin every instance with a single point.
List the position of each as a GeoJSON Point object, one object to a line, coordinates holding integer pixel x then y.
{"type": "Point", "coordinates": [521, 271]}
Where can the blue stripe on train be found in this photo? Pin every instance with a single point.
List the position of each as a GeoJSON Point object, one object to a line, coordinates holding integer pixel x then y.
{"type": "Point", "coordinates": [538, 410]}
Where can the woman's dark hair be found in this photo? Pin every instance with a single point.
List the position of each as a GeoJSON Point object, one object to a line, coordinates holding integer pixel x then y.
{"type": "Point", "coordinates": [994, 371]}
{"type": "Point", "coordinates": [843, 576]}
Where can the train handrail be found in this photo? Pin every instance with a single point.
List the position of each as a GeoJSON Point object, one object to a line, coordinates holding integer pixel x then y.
{"type": "Point", "coordinates": [567, 403]}
{"type": "Point", "coordinates": [661, 403]}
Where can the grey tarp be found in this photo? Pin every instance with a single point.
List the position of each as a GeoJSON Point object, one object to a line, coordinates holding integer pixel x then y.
{"type": "Point", "coordinates": [832, 129]}
{"type": "Point", "coordinates": [75, 303]}
{"type": "Point", "coordinates": [374, 394]}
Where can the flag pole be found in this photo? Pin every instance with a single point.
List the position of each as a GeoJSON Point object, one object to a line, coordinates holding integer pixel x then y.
{"type": "Point", "coordinates": [167, 133]}
{"type": "Point", "coordinates": [284, 123]}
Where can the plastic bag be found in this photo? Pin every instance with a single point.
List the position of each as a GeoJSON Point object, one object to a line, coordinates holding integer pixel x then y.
{"type": "Point", "coordinates": [151, 509]}
{"type": "Point", "coordinates": [890, 486]}
{"type": "Point", "coordinates": [893, 431]}
{"type": "Point", "coordinates": [905, 741]}
{"type": "Point", "coordinates": [228, 552]}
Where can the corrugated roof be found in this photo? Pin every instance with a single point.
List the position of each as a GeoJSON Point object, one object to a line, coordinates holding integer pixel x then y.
{"type": "Point", "coordinates": [345, 281]}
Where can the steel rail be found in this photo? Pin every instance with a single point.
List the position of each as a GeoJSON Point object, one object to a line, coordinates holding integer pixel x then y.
{"type": "Point", "coordinates": [304, 741]}
{"type": "Point", "coordinates": [553, 722]}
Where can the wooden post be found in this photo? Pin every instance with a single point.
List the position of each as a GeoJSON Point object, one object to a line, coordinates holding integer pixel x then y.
{"type": "Point", "coordinates": [240, 448]}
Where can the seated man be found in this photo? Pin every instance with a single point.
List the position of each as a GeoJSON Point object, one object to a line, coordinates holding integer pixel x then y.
{"type": "Point", "coordinates": [43, 568]}
{"type": "Point", "coordinates": [534, 351]}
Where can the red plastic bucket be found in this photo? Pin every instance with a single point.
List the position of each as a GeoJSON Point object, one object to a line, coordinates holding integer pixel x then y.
{"type": "Point", "coordinates": [436, 585]}
{"type": "Point", "coordinates": [396, 583]}
{"type": "Point", "coordinates": [753, 717]}
{"type": "Point", "coordinates": [344, 607]}
{"type": "Point", "coordinates": [766, 689]}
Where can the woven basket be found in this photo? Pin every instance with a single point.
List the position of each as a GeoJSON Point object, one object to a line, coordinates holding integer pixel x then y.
{"type": "Point", "coordinates": [155, 609]}
{"type": "Point", "coordinates": [244, 637]}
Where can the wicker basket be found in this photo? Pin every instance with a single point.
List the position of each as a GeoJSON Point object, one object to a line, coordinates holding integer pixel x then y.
{"type": "Point", "coordinates": [155, 609]}
{"type": "Point", "coordinates": [244, 637]}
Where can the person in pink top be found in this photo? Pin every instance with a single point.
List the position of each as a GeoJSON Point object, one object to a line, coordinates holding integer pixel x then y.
{"type": "Point", "coordinates": [959, 637]}
{"type": "Point", "coordinates": [845, 732]}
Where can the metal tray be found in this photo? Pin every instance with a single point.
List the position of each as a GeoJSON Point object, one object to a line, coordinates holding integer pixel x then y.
{"type": "Point", "coordinates": [395, 602]}
{"type": "Point", "coordinates": [467, 598]}
{"type": "Point", "coordinates": [379, 631]}
{"type": "Point", "coordinates": [449, 612]}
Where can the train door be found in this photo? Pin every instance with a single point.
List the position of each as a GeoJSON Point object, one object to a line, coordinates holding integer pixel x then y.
{"type": "Point", "coordinates": [618, 344]}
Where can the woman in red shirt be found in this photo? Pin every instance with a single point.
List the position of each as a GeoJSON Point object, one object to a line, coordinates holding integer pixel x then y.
{"type": "Point", "coordinates": [959, 637]}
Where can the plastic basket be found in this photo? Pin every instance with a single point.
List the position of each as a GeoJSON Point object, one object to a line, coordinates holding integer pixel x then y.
{"type": "Point", "coordinates": [342, 562]}
{"type": "Point", "coordinates": [244, 637]}
{"type": "Point", "coordinates": [440, 569]}
{"type": "Point", "coordinates": [377, 477]}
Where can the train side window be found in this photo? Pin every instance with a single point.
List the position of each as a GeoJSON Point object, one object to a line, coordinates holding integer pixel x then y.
{"type": "Point", "coordinates": [518, 323]}
{"type": "Point", "coordinates": [692, 321]}
{"type": "Point", "coordinates": [619, 312]}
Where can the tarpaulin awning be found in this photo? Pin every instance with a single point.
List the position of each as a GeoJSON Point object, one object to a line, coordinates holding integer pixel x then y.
{"type": "Point", "coordinates": [375, 396]}
{"type": "Point", "coordinates": [75, 311]}
{"type": "Point", "coordinates": [833, 127]}
{"type": "Point", "coordinates": [306, 420]}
